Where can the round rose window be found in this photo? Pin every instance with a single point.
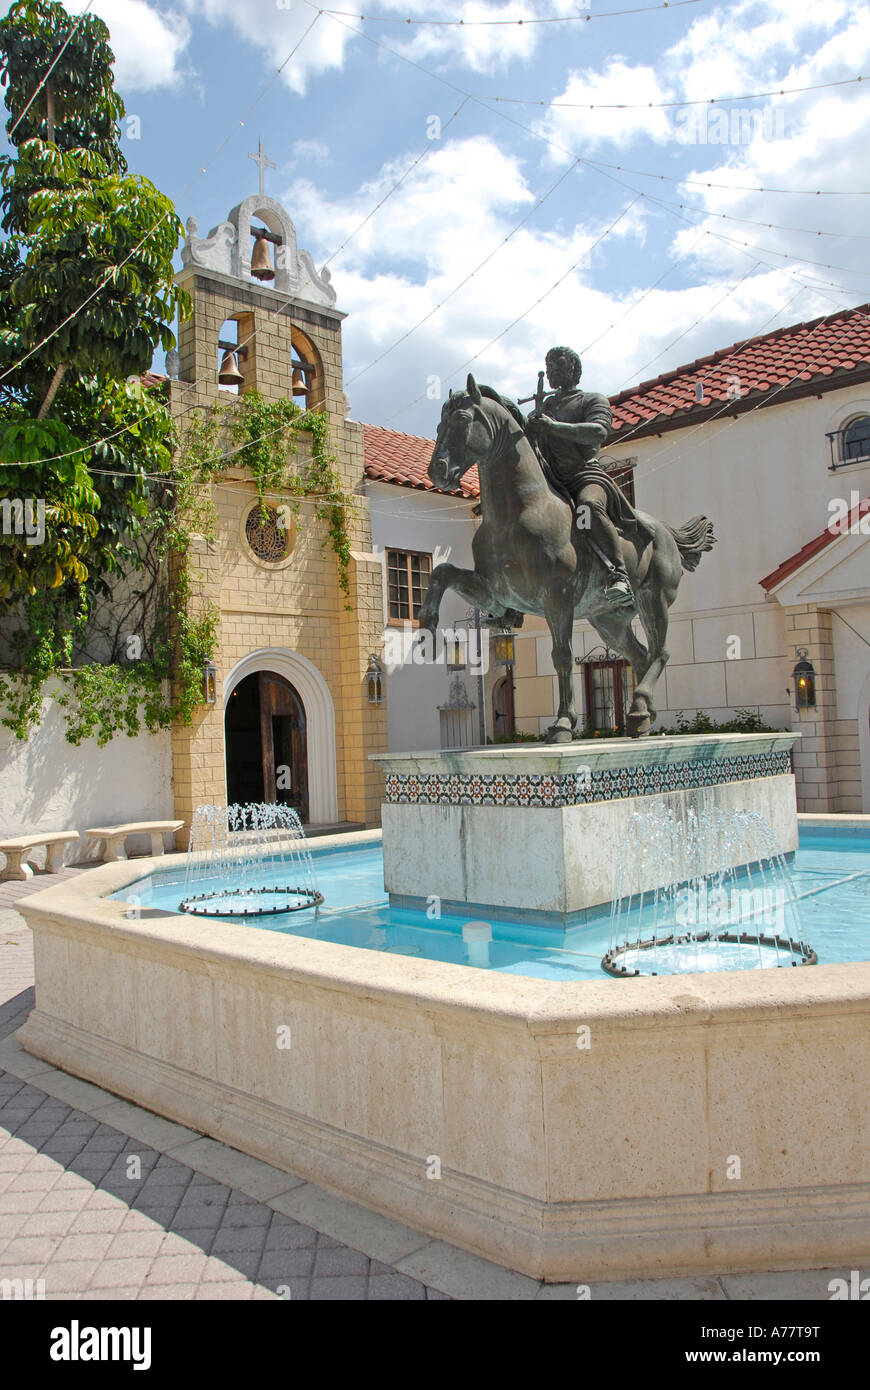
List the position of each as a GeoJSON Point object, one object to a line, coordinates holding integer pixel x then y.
{"type": "Point", "coordinates": [266, 534]}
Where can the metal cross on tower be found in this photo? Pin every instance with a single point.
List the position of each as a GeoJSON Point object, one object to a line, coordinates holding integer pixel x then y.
{"type": "Point", "coordinates": [260, 159]}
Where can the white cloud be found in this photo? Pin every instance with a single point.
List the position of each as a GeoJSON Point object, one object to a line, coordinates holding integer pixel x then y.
{"type": "Point", "coordinates": [582, 130]}
{"type": "Point", "coordinates": [813, 140]}
{"type": "Point", "coordinates": [412, 254]}
{"type": "Point", "coordinates": [311, 152]}
{"type": "Point", "coordinates": [149, 45]}
{"type": "Point", "coordinates": [277, 28]}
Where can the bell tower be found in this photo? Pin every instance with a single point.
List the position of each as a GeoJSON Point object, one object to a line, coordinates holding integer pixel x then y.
{"type": "Point", "coordinates": [291, 639]}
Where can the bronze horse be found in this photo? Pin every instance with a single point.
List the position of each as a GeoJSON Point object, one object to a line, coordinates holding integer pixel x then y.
{"type": "Point", "coordinates": [529, 556]}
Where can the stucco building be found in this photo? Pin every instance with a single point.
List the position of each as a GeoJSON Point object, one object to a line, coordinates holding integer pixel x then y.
{"type": "Point", "coordinates": [770, 438]}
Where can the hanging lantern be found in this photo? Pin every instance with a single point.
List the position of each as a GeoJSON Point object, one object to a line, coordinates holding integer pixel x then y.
{"type": "Point", "coordinates": [804, 682]}
{"type": "Point", "coordinates": [209, 682]}
{"type": "Point", "coordinates": [503, 648]}
{"type": "Point", "coordinates": [261, 260]}
{"type": "Point", "coordinates": [299, 385]}
{"type": "Point", "coordinates": [455, 652]}
{"type": "Point", "coordinates": [373, 681]}
{"type": "Point", "coordinates": [229, 374]}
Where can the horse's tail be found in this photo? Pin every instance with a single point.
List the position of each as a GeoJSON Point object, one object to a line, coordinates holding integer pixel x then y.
{"type": "Point", "coordinates": [693, 539]}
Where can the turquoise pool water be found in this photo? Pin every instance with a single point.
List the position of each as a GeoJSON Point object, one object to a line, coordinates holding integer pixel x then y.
{"type": "Point", "coordinates": [831, 871]}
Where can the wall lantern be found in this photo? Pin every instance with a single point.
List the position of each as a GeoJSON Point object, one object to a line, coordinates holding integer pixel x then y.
{"type": "Point", "coordinates": [503, 648]}
{"type": "Point", "coordinates": [804, 682]}
{"type": "Point", "coordinates": [209, 682]}
{"type": "Point", "coordinates": [374, 686]}
{"type": "Point", "coordinates": [454, 651]}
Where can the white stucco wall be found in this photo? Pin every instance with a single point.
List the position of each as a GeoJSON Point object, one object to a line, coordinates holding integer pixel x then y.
{"type": "Point", "coordinates": [765, 482]}
{"type": "Point", "coordinates": [49, 784]}
{"type": "Point", "coordinates": [411, 519]}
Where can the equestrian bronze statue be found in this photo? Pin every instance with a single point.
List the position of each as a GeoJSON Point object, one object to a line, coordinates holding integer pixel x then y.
{"type": "Point", "coordinates": [558, 538]}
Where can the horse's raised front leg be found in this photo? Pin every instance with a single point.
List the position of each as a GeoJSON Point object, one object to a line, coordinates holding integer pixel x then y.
{"type": "Point", "coordinates": [468, 584]}
{"type": "Point", "coordinates": [560, 620]}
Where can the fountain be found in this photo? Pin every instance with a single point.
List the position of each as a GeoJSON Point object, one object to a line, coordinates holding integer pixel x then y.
{"type": "Point", "coordinates": [248, 860]}
{"type": "Point", "coordinates": [702, 912]}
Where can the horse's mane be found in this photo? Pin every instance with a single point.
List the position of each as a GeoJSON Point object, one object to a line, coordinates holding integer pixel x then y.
{"type": "Point", "coordinates": [510, 406]}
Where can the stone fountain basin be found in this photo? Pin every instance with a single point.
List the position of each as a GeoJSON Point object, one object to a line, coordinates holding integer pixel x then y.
{"type": "Point", "coordinates": [561, 1160]}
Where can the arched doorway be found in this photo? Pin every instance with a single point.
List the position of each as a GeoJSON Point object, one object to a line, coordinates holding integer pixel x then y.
{"type": "Point", "coordinates": [503, 721]}
{"type": "Point", "coordinates": [267, 742]}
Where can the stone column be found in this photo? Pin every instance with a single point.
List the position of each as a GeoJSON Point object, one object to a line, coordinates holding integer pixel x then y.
{"type": "Point", "coordinates": [815, 756]}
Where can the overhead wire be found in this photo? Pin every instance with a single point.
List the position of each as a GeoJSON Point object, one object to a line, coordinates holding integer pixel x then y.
{"type": "Point", "coordinates": [586, 16]}
{"type": "Point", "coordinates": [577, 159]}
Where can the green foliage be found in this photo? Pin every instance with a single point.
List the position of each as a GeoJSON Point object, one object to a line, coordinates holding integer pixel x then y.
{"type": "Point", "coordinates": [87, 275]}
{"type": "Point", "coordinates": [89, 244]}
{"type": "Point", "coordinates": [85, 105]}
{"type": "Point", "coordinates": [86, 293]}
{"type": "Point", "coordinates": [264, 433]}
{"type": "Point", "coordinates": [516, 737]}
{"type": "Point", "coordinates": [745, 721]}
{"type": "Point", "coordinates": [71, 505]}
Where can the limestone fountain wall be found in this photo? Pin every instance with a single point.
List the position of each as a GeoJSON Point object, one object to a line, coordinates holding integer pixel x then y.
{"type": "Point", "coordinates": [703, 1123]}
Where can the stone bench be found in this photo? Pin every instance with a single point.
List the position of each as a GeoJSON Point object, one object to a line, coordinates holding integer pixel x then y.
{"type": "Point", "coordinates": [116, 835]}
{"type": "Point", "coordinates": [18, 847]}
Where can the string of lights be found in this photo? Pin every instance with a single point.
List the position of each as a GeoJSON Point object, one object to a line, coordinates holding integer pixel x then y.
{"type": "Point", "coordinates": [585, 17]}
{"type": "Point", "coordinates": [513, 323]}
{"type": "Point", "coordinates": [666, 105]}
{"type": "Point", "coordinates": [507, 329]}
{"type": "Point", "coordinates": [410, 169]}
{"type": "Point", "coordinates": [470, 276]}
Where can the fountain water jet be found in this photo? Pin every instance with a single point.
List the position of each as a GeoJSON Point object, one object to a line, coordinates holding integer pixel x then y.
{"type": "Point", "coordinates": [246, 861]}
{"type": "Point", "coordinates": [699, 915]}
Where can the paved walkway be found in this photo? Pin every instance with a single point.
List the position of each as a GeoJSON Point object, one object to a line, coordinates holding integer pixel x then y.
{"type": "Point", "coordinates": [101, 1199]}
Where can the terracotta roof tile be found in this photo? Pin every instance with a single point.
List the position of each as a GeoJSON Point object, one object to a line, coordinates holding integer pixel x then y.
{"type": "Point", "coordinates": [818, 350]}
{"type": "Point", "coordinates": [393, 457]}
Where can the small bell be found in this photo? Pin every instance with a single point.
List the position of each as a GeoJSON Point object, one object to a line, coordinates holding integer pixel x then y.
{"type": "Point", "coordinates": [261, 261]}
{"type": "Point", "coordinates": [298, 386]}
{"type": "Point", "coordinates": [229, 374]}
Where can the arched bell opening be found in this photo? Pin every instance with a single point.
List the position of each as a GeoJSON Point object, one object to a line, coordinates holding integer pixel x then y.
{"type": "Point", "coordinates": [235, 354]}
{"type": "Point", "coordinates": [307, 385]}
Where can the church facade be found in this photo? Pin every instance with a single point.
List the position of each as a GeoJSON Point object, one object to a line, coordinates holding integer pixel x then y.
{"type": "Point", "coordinates": [292, 719]}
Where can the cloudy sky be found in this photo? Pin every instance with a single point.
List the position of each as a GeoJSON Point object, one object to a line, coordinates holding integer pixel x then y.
{"type": "Point", "coordinates": [511, 227]}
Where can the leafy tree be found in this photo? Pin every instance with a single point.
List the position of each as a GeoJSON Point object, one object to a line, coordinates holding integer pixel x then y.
{"type": "Point", "coordinates": [87, 292]}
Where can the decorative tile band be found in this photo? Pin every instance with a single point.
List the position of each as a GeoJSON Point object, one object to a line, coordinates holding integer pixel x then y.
{"type": "Point", "coordinates": [577, 788]}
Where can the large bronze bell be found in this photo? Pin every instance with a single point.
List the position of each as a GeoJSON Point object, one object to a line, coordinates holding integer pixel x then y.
{"type": "Point", "coordinates": [298, 386]}
{"type": "Point", "coordinates": [261, 261]}
{"type": "Point", "coordinates": [229, 374]}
